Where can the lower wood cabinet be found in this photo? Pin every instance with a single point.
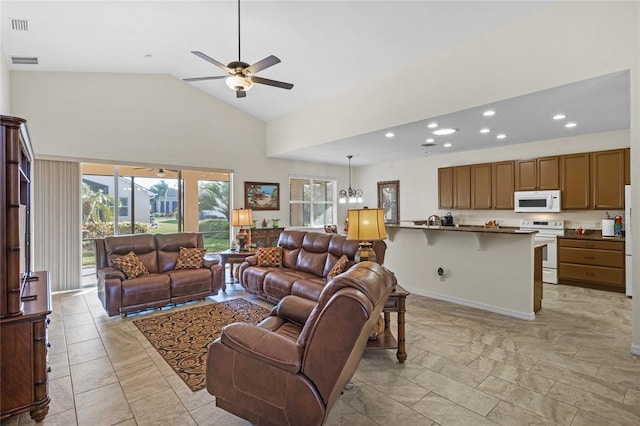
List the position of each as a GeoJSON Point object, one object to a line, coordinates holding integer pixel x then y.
{"type": "Point", "coordinates": [24, 382]}
{"type": "Point", "coordinates": [592, 263]}
{"type": "Point", "coordinates": [265, 237]}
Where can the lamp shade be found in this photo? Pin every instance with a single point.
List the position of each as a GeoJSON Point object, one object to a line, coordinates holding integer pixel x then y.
{"type": "Point", "coordinates": [241, 217]}
{"type": "Point", "coordinates": [366, 224]}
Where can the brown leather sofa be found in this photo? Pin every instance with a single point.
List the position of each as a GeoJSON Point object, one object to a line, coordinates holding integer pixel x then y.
{"type": "Point", "coordinates": [291, 368]}
{"type": "Point", "coordinates": [164, 284]}
{"type": "Point", "coordinates": [307, 258]}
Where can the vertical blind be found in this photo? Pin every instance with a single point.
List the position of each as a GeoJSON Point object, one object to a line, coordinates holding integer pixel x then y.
{"type": "Point", "coordinates": [57, 230]}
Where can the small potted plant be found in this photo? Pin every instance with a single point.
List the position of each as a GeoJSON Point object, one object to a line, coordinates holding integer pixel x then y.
{"type": "Point", "coordinates": [252, 247]}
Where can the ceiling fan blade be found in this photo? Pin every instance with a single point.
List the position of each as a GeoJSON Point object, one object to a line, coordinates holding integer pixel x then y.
{"type": "Point", "coordinates": [241, 94]}
{"type": "Point", "coordinates": [273, 83]}
{"type": "Point", "coordinates": [205, 78]}
{"type": "Point", "coordinates": [211, 60]}
{"type": "Point", "coordinates": [263, 64]}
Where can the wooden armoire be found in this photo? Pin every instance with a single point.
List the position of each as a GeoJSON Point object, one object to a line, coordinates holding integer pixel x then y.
{"type": "Point", "coordinates": [25, 296]}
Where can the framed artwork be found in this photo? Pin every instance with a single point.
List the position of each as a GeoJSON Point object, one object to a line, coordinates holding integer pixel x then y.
{"type": "Point", "coordinates": [389, 200]}
{"type": "Point", "coordinates": [261, 196]}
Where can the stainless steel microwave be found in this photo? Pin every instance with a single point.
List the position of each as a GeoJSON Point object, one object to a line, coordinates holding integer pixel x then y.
{"type": "Point", "coordinates": [537, 201]}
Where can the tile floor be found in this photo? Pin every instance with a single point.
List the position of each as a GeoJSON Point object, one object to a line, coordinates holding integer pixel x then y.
{"type": "Point", "coordinates": [571, 366]}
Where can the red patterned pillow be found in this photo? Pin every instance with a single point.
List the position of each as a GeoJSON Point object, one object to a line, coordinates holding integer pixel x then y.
{"type": "Point", "coordinates": [130, 264]}
{"type": "Point", "coordinates": [270, 256]}
{"type": "Point", "coordinates": [339, 267]}
{"type": "Point", "coordinates": [190, 258]}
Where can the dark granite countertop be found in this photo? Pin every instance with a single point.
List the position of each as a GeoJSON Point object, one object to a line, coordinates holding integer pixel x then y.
{"type": "Point", "coordinates": [589, 234]}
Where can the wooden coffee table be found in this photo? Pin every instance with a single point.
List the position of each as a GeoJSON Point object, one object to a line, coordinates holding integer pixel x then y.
{"type": "Point", "coordinates": [395, 303]}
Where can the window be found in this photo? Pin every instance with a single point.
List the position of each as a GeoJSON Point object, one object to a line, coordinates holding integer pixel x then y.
{"type": "Point", "coordinates": [124, 207]}
{"type": "Point", "coordinates": [312, 202]}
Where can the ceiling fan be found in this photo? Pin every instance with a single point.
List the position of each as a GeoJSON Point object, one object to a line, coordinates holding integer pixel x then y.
{"type": "Point", "coordinates": [240, 75]}
{"type": "Point", "coordinates": [160, 172]}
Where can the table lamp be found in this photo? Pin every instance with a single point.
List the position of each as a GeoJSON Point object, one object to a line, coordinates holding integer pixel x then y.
{"type": "Point", "coordinates": [241, 218]}
{"type": "Point", "coordinates": [366, 225]}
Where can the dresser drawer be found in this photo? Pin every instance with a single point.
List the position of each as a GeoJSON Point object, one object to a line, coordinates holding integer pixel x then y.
{"type": "Point", "coordinates": [593, 274]}
{"type": "Point", "coordinates": [591, 244]}
{"type": "Point", "coordinates": [591, 257]}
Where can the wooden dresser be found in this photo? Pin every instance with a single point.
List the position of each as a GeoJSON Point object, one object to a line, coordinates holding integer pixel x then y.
{"type": "Point", "coordinates": [592, 263]}
{"type": "Point", "coordinates": [265, 237]}
{"type": "Point", "coordinates": [25, 296]}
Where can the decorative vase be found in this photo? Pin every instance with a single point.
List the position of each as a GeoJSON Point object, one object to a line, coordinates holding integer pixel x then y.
{"type": "Point", "coordinates": [264, 223]}
{"type": "Point", "coordinates": [254, 224]}
{"type": "Point", "coordinates": [275, 222]}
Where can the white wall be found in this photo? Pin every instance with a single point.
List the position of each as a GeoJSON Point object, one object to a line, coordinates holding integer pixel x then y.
{"type": "Point", "coordinates": [5, 87]}
{"type": "Point", "coordinates": [151, 119]}
{"type": "Point", "coordinates": [568, 42]}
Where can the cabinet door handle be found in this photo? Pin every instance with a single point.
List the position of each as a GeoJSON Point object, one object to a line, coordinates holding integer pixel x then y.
{"type": "Point", "coordinates": [49, 369]}
{"type": "Point", "coordinates": [48, 344]}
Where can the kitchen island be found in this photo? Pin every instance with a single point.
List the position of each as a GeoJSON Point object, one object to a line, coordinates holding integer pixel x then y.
{"type": "Point", "coordinates": [487, 268]}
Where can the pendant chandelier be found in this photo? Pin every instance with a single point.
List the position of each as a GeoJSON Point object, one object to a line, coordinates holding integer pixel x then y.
{"type": "Point", "coordinates": [351, 195]}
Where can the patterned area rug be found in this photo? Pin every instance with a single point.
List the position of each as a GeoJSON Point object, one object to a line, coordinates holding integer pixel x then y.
{"type": "Point", "coordinates": [183, 337]}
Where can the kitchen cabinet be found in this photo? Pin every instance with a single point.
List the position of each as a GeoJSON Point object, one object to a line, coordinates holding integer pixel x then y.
{"type": "Point", "coordinates": [462, 187]}
{"type": "Point", "coordinates": [607, 179]}
{"type": "Point", "coordinates": [592, 263]}
{"type": "Point", "coordinates": [537, 174]}
{"type": "Point", "coordinates": [627, 166]}
{"type": "Point", "coordinates": [445, 188]}
{"type": "Point", "coordinates": [481, 186]}
{"type": "Point", "coordinates": [503, 184]}
{"type": "Point", "coordinates": [575, 181]}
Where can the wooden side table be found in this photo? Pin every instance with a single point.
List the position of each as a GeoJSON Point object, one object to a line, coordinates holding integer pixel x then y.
{"type": "Point", "coordinates": [232, 257]}
{"type": "Point", "coordinates": [395, 303]}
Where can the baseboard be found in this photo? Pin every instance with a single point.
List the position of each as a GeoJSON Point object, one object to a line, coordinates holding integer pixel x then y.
{"type": "Point", "coordinates": [495, 309]}
{"type": "Point", "coordinates": [635, 349]}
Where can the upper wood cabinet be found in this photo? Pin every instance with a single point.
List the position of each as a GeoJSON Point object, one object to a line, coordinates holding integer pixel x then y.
{"type": "Point", "coordinates": [627, 166]}
{"type": "Point", "coordinates": [575, 181]}
{"type": "Point", "coordinates": [607, 179]}
{"type": "Point", "coordinates": [462, 187]}
{"type": "Point", "coordinates": [445, 188]}
{"type": "Point", "coordinates": [537, 174]}
{"type": "Point", "coordinates": [503, 184]}
{"type": "Point", "coordinates": [481, 186]}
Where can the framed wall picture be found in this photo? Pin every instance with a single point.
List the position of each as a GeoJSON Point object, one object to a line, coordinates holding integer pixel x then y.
{"type": "Point", "coordinates": [389, 200]}
{"type": "Point", "coordinates": [262, 196]}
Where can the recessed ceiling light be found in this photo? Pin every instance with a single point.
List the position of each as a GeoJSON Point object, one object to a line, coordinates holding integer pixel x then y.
{"type": "Point", "coordinates": [429, 140]}
{"type": "Point", "coordinates": [432, 125]}
{"type": "Point", "coordinates": [447, 145]}
{"type": "Point", "coordinates": [489, 113]}
{"type": "Point", "coordinates": [559, 117]}
{"type": "Point", "coordinates": [485, 130]}
{"type": "Point", "coordinates": [501, 136]}
{"type": "Point", "coordinates": [570, 124]}
{"type": "Point", "coordinates": [445, 131]}
{"type": "Point", "coordinates": [389, 134]}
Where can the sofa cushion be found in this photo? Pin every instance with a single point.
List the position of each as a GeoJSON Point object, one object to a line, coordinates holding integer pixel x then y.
{"type": "Point", "coordinates": [130, 264]}
{"type": "Point", "coordinates": [190, 258]}
{"type": "Point", "coordinates": [340, 266]}
{"type": "Point", "coordinates": [150, 288]}
{"type": "Point", "coordinates": [308, 287]}
{"type": "Point", "coordinates": [143, 245]}
{"type": "Point", "coordinates": [313, 255]}
{"type": "Point", "coordinates": [185, 282]}
{"type": "Point", "coordinates": [169, 247]}
{"type": "Point", "coordinates": [291, 243]}
{"type": "Point", "coordinates": [278, 282]}
{"type": "Point", "coordinates": [270, 256]}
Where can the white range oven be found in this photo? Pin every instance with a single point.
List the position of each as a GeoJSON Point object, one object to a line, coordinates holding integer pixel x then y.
{"type": "Point", "coordinates": [548, 232]}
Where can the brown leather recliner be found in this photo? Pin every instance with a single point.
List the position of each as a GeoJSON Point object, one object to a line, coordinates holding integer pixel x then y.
{"type": "Point", "coordinates": [291, 368]}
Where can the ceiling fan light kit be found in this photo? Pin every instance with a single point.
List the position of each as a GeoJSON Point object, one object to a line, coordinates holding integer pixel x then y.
{"type": "Point", "coordinates": [240, 75]}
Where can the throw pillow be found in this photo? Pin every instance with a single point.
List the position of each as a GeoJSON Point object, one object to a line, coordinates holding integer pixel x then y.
{"type": "Point", "coordinates": [130, 264]}
{"type": "Point", "coordinates": [190, 258]}
{"type": "Point", "coordinates": [270, 256]}
{"type": "Point", "coordinates": [339, 267]}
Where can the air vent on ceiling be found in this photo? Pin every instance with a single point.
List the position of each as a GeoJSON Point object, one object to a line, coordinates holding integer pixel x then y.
{"type": "Point", "coordinates": [24, 60]}
{"type": "Point", "coordinates": [20, 25]}
{"type": "Point", "coordinates": [428, 145]}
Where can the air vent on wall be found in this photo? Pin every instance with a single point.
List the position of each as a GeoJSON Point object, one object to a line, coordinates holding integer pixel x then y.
{"type": "Point", "coordinates": [20, 25]}
{"type": "Point", "coordinates": [24, 60]}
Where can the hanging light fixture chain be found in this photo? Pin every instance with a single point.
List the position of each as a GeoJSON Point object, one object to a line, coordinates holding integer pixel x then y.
{"type": "Point", "coordinates": [239, 57]}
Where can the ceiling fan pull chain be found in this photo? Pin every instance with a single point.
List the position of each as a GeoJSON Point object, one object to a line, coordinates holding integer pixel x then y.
{"type": "Point", "coordinates": [239, 60]}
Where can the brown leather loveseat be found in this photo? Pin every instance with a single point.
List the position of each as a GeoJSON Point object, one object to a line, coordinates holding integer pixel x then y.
{"type": "Point", "coordinates": [307, 259]}
{"type": "Point", "coordinates": [291, 368]}
{"type": "Point", "coordinates": [164, 284]}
